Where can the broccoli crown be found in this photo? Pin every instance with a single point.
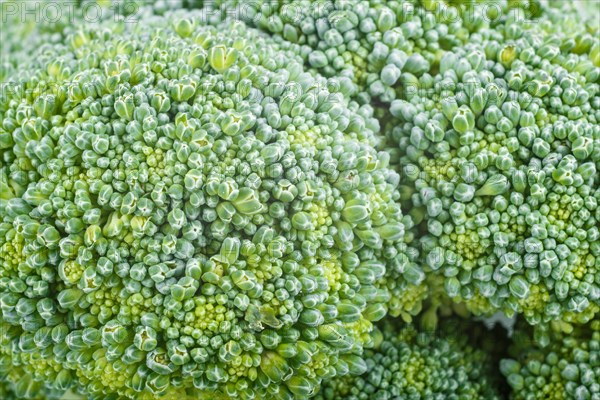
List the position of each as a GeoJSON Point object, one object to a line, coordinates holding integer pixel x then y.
{"type": "Point", "coordinates": [372, 42]}
{"type": "Point", "coordinates": [23, 374]}
{"type": "Point", "coordinates": [493, 118]}
{"type": "Point", "coordinates": [184, 207]}
{"type": "Point", "coordinates": [563, 365]}
{"type": "Point", "coordinates": [500, 153]}
{"type": "Point", "coordinates": [411, 363]}
{"type": "Point", "coordinates": [26, 26]}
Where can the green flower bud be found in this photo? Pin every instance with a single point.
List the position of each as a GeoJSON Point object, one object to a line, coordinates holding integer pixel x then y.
{"type": "Point", "coordinates": [356, 364]}
{"type": "Point", "coordinates": [247, 202]}
{"type": "Point", "coordinates": [182, 90]}
{"type": "Point", "coordinates": [355, 211]}
{"type": "Point", "coordinates": [390, 74]}
{"type": "Point", "coordinates": [185, 288]}
{"type": "Point", "coordinates": [114, 333]}
{"type": "Point", "coordinates": [68, 298]}
{"type": "Point", "coordinates": [311, 317]}
{"type": "Point", "coordinates": [317, 59]}
{"type": "Point", "coordinates": [245, 280]}
{"type": "Point", "coordinates": [375, 312]}
{"type": "Point", "coordinates": [434, 132]}
{"type": "Point", "coordinates": [452, 286]}
{"type": "Point", "coordinates": [495, 185]}
{"type": "Point", "coordinates": [582, 147]}
{"type": "Point", "coordinates": [157, 383]}
{"type": "Point", "coordinates": [464, 193]}
{"type": "Point", "coordinates": [158, 362]}
{"type": "Point", "coordinates": [300, 386]}
{"type": "Point", "coordinates": [302, 221]}
{"type": "Point", "coordinates": [463, 120]}
{"type": "Point", "coordinates": [124, 107]}
{"type": "Point", "coordinates": [275, 367]}
{"type": "Point", "coordinates": [519, 287]}
{"type": "Point", "coordinates": [348, 312]}
{"type": "Point", "coordinates": [221, 58]}
{"type": "Point", "coordinates": [184, 27]}
{"type": "Point", "coordinates": [449, 107]}
{"type": "Point", "coordinates": [393, 231]}
{"type": "Point", "coordinates": [507, 55]}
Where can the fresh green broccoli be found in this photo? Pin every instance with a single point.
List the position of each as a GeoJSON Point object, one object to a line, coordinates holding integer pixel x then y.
{"type": "Point", "coordinates": [373, 42]}
{"type": "Point", "coordinates": [186, 212]}
{"type": "Point", "coordinates": [28, 25]}
{"type": "Point", "coordinates": [564, 365]}
{"type": "Point", "coordinates": [411, 363]}
{"type": "Point", "coordinates": [476, 93]}
{"type": "Point", "coordinates": [192, 208]}
{"type": "Point", "coordinates": [500, 153]}
{"type": "Point", "coordinates": [24, 375]}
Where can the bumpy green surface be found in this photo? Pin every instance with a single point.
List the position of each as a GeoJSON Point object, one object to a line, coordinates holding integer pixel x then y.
{"type": "Point", "coordinates": [196, 212]}
{"type": "Point", "coordinates": [408, 363]}
{"type": "Point", "coordinates": [22, 374]}
{"type": "Point", "coordinates": [28, 25]}
{"type": "Point", "coordinates": [567, 366]}
{"type": "Point", "coordinates": [372, 42]}
{"type": "Point", "coordinates": [182, 206]}
{"type": "Point", "coordinates": [491, 112]}
{"type": "Point", "coordinates": [500, 156]}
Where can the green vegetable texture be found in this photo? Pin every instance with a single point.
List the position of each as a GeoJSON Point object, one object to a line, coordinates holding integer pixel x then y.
{"type": "Point", "coordinates": [299, 199]}
{"type": "Point", "coordinates": [183, 210]}
{"type": "Point", "coordinates": [567, 366]}
{"type": "Point", "coordinates": [500, 158]}
{"type": "Point", "coordinates": [372, 42]}
{"type": "Point", "coordinates": [492, 117]}
{"type": "Point", "coordinates": [413, 363]}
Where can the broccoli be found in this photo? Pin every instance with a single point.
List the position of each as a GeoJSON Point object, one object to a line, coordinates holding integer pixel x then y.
{"type": "Point", "coordinates": [184, 207]}
{"type": "Point", "coordinates": [226, 200]}
{"type": "Point", "coordinates": [28, 25]}
{"type": "Point", "coordinates": [22, 374]}
{"type": "Point", "coordinates": [562, 365]}
{"type": "Point", "coordinates": [456, 361]}
{"type": "Point", "coordinates": [491, 114]}
{"type": "Point", "coordinates": [500, 157]}
{"type": "Point", "coordinates": [373, 42]}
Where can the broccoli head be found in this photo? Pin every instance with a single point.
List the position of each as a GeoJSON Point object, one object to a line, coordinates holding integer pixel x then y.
{"type": "Point", "coordinates": [500, 155]}
{"type": "Point", "coordinates": [558, 365]}
{"type": "Point", "coordinates": [455, 361]}
{"type": "Point", "coordinates": [185, 211]}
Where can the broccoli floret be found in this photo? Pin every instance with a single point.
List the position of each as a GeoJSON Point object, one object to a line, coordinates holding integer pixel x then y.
{"type": "Point", "coordinates": [455, 361]}
{"type": "Point", "coordinates": [184, 207]}
{"type": "Point", "coordinates": [27, 375]}
{"type": "Point", "coordinates": [561, 365]}
{"type": "Point", "coordinates": [199, 209]}
{"type": "Point", "coordinates": [500, 159]}
{"type": "Point", "coordinates": [480, 91]}
{"type": "Point", "coordinates": [27, 26]}
{"type": "Point", "coordinates": [372, 42]}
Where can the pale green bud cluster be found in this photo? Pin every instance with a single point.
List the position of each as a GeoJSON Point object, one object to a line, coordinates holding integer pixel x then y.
{"type": "Point", "coordinates": [558, 365]}
{"type": "Point", "coordinates": [499, 153]}
{"type": "Point", "coordinates": [184, 207]}
{"type": "Point", "coordinates": [413, 363]}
